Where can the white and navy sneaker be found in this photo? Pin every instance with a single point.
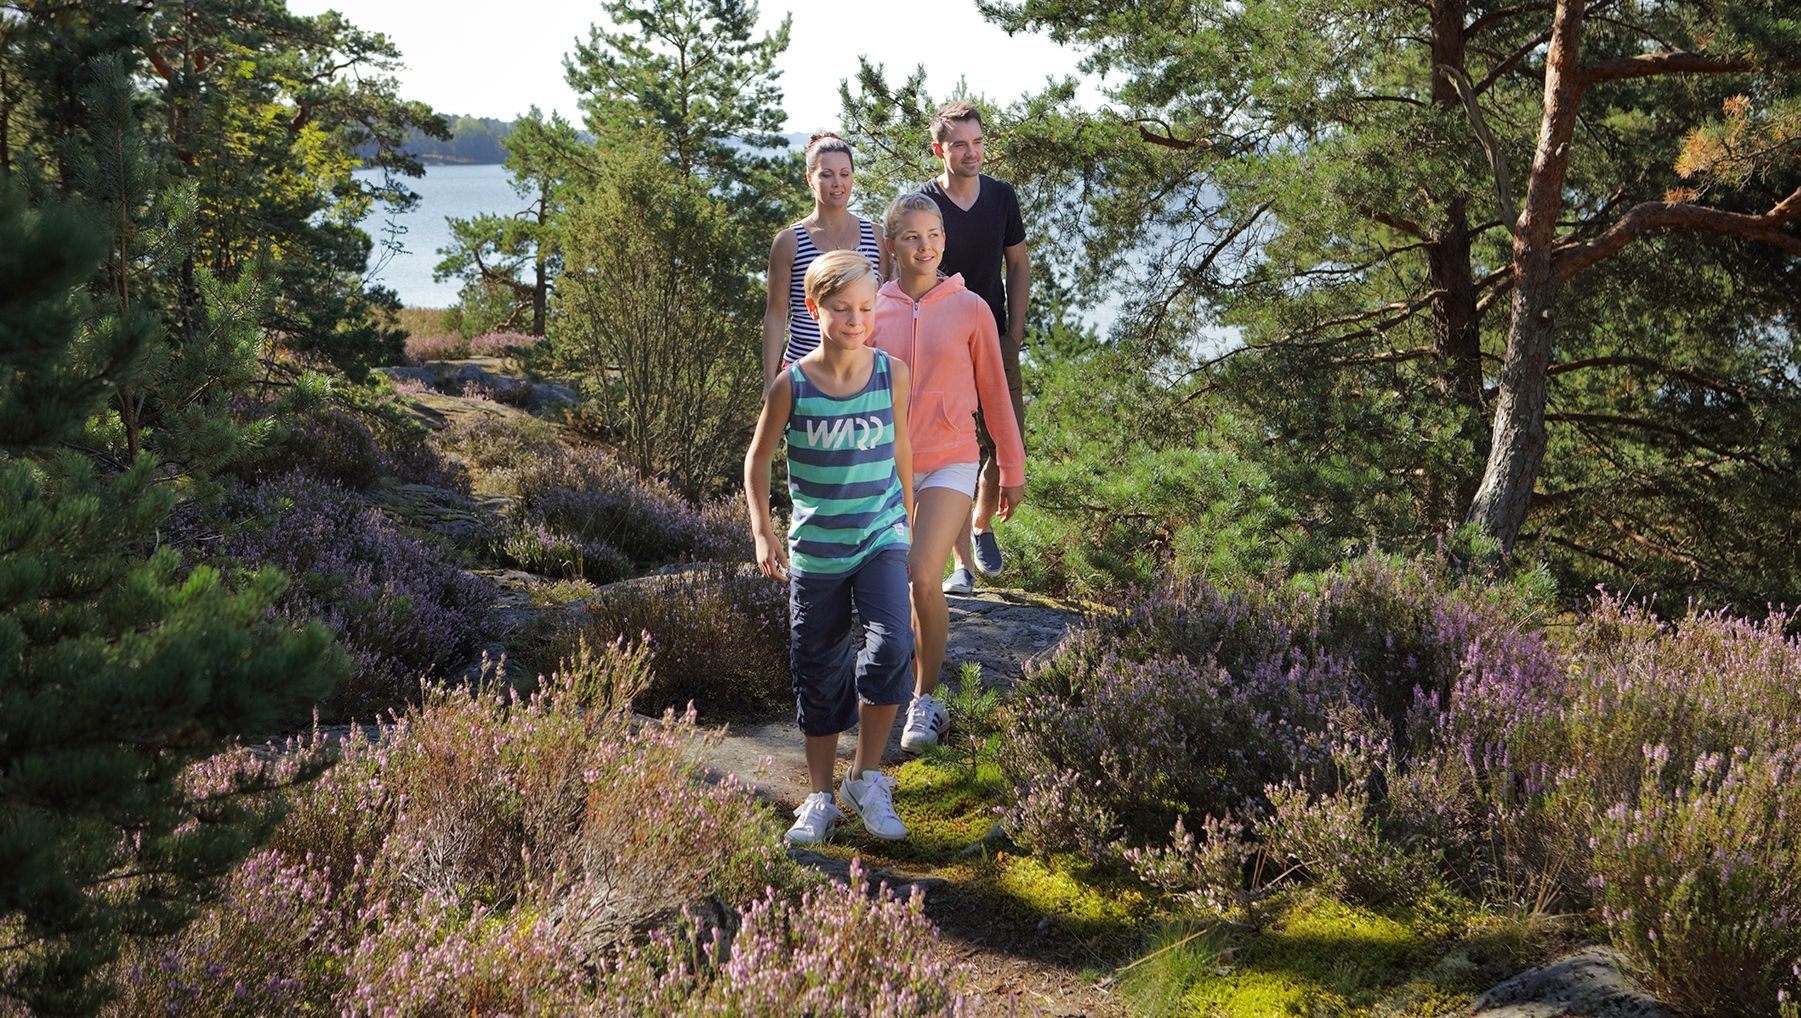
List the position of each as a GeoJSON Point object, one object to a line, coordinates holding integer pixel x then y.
{"type": "Point", "coordinates": [815, 820]}
{"type": "Point", "coordinates": [927, 721]}
{"type": "Point", "coordinates": [872, 798]}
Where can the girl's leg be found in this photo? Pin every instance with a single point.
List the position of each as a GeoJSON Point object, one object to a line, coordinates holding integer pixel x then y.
{"type": "Point", "coordinates": [938, 515]}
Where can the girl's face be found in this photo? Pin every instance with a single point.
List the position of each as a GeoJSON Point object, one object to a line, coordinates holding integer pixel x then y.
{"type": "Point", "coordinates": [846, 318]}
{"type": "Point", "coordinates": [830, 180]}
{"type": "Point", "coordinates": [917, 243]}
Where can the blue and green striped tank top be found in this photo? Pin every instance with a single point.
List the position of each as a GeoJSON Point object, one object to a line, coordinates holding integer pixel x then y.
{"type": "Point", "coordinates": [841, 476]}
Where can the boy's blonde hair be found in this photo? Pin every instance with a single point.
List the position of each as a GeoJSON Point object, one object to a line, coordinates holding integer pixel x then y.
{"type": "Point", "coordinates": [906, 205]}
{"type": "Point", "coordinates": [834, 271]}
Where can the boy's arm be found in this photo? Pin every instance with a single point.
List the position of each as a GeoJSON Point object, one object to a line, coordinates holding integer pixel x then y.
{"type": "Point", "coordinates": [772, 553]}
{"type": "Point", "coordinates": [902, 382]}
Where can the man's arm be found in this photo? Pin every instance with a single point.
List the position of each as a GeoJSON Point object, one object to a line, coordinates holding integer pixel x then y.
{"type": "Point", "coordinates": [1019, 286]}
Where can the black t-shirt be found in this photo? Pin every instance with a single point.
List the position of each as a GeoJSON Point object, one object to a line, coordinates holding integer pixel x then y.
{"type": "Point", "coordinates": [973, 240]}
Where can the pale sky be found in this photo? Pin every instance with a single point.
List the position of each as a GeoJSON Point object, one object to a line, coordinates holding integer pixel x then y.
{"type": "Point", "coordinates": [497, 59]}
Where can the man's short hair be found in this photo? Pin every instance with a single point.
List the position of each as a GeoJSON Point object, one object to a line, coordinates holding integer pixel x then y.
{"type": "Point", "coordinates": [954, 112]}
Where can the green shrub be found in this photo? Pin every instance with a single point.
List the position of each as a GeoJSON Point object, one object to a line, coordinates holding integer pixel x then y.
{"type": "Point", "coordinates": [720, 634]}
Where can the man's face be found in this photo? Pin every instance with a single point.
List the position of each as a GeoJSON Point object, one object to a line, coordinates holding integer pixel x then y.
{"type": "Point", "coordinates": [961, 148]}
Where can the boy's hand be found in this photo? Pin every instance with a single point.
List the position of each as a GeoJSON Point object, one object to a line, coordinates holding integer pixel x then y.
{"type": "Point", "coordinates": [772, 558]}
{"type": "Point", "coordinates": [1010, 499]}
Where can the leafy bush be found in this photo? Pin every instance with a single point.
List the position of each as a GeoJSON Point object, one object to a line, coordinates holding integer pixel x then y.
{"type": "Point", "coordinates": [437, 347]}
{"type": "Point", "coordinates": [839, 950]}
{"type": "Point", "coordinates": [1193, 704]}
{"type": "Point", "coordinates": [549, 854]}
{"type": "Point", "coordinates": [720, 634]}
{"type": "Point", "coordinates": [1700, 879]}
{"type": "Point", "coordinates": [402, 609]}
{"type": "Point", "coordinates": [1652, 773]}
{"type": "Point", "coordinates": [1130, 479]}
{"type": "Point", "coordinates": [502, 344]}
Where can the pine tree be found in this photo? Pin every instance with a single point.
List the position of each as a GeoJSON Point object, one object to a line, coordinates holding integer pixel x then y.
{"type": "Point", "coordinates": [119, 664]}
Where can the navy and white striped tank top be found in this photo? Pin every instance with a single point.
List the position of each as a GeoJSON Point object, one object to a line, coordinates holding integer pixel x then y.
{"type": "Point", "coordinates": [841, 475]}
{"type": "Point", "coordinates": [803, 331]}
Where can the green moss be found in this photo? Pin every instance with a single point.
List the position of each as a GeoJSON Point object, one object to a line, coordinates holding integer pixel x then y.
{"type": "Point", "coordinates": [1319, 956]}
{"type": "Point", "coordinates": [1061, 890]}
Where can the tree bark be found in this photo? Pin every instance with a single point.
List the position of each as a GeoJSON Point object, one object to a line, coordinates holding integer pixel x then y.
{"type": "Point", "coordinates": [1456, 324]}
{"type": "Point", "coordinates": [1517, 448]}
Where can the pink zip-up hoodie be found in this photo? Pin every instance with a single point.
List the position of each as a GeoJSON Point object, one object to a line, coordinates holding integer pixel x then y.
{"type": "Point", "coordinates": [948, 339]}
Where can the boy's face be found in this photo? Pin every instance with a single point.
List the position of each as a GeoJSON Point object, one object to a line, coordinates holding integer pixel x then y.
{"type": "Point", "coordinates": [961, 148]}
{"type": "Point", "coordinates": [846, 318]}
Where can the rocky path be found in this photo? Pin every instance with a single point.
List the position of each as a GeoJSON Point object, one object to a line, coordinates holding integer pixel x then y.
{"type": "Point", "coordinates": [1021, 968]}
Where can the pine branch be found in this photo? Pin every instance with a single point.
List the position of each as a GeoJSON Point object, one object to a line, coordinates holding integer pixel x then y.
{"type": "Point", "coordinates": [1646, 65]}
{"type": "Point", "coordinates": [1629, 360]}
{"type": "Point", "coordinates": [1660, 428]}
{"type": "Point", "coordinates": [1662, 215]}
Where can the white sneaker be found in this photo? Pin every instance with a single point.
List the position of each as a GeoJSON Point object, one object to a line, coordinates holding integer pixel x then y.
{"type": "Point", "coordinates": [927, 721]}
{"type": "Point", "coordinates": [872, 798]}
{"type": "Point", "coordinates": [815, 820]}
{"type": "Point", "coordinates": [960, 582]}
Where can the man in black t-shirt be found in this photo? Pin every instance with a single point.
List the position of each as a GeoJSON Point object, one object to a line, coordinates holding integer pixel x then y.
{"type": "Point", "coordinates": [985, 240]}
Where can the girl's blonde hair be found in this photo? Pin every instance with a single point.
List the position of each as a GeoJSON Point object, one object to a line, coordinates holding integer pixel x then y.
{"type": "Point", "coordinates": [826, 141]}
{"type": "Point", "coordinates": [906, 205]}
{"type": "Point", "coordinates": [834, 271]}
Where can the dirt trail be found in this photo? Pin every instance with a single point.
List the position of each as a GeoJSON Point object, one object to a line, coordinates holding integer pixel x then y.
{"type": "Point", "coordinates": [1023, 967]}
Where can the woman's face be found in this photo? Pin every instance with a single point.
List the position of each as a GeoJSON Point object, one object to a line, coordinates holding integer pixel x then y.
{"type": "Point", "coordinates": [917, 243]}
{"type": "Point", "coordinates": [830, 180]}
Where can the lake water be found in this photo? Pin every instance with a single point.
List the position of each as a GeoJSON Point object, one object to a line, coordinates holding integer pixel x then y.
{"type": "Point", "coordinates": [444, 192]}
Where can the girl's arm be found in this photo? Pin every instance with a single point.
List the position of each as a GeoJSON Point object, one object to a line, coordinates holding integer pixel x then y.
{"type": "Point", "coordinates": [772, 552]}
{"type": "Point", "coordinates": [901, 378]}
{"type": "Point", "coordinates": [997, 409]}
{"type": "Point", "coordinates": [775, 303]}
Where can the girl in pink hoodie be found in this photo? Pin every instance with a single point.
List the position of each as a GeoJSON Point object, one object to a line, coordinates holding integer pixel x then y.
{"type": "Point", "coordinates": [946, 335]}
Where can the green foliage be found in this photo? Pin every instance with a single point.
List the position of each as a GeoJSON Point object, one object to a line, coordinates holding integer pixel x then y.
{"type": "Point", "coordinates": [119, 665]}
{"type": "Point", "coordinates": [507, 262]}
{"type": "Point", "coordinates": [1129, 480]}
{"type": "Point", "coordinates": [1300, 192]}
{"type": "Point", "coordinates": [651, 311]}
{"type": "Point", "coordinates": [690, 82]}
{"type": "Point", "coordinates": [720, 634]}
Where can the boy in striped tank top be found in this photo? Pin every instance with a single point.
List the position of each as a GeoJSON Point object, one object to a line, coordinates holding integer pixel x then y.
{"type": "Point", "coordinates": [843, 411]}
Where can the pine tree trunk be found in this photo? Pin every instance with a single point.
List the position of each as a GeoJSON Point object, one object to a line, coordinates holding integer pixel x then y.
{"type": "Point", "coordinates": [1518, 447]}
{"type": "Point", "coordinates": [1456, 328]}
{"type": "Point", "coordinates": [541, 267]}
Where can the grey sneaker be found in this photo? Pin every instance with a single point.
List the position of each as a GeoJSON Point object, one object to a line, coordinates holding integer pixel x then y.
{"type": "Point", "coordinates": [961, 582]}
{"type": "Point", "coordinates": [872, 798]}
{"type": "Point", "coordinates": [927, 721]}
{"type": "Point", "coordinates": [815, 820]}
{"type": "Point", "coordinates": [987, 553]}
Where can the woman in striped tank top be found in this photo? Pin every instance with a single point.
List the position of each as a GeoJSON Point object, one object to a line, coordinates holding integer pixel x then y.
{"type": "Point", "coordinates": [843, 410]}
{"type": "Point", "coordinates": [789, 332]}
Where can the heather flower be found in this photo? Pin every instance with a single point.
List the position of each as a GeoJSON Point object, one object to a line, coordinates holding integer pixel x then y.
{"type": "Point", "coordinates": [401, 608]}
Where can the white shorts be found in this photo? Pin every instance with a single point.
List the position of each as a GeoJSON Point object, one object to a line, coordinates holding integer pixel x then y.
{"type": "Point", "coordinates": [957, 477]}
